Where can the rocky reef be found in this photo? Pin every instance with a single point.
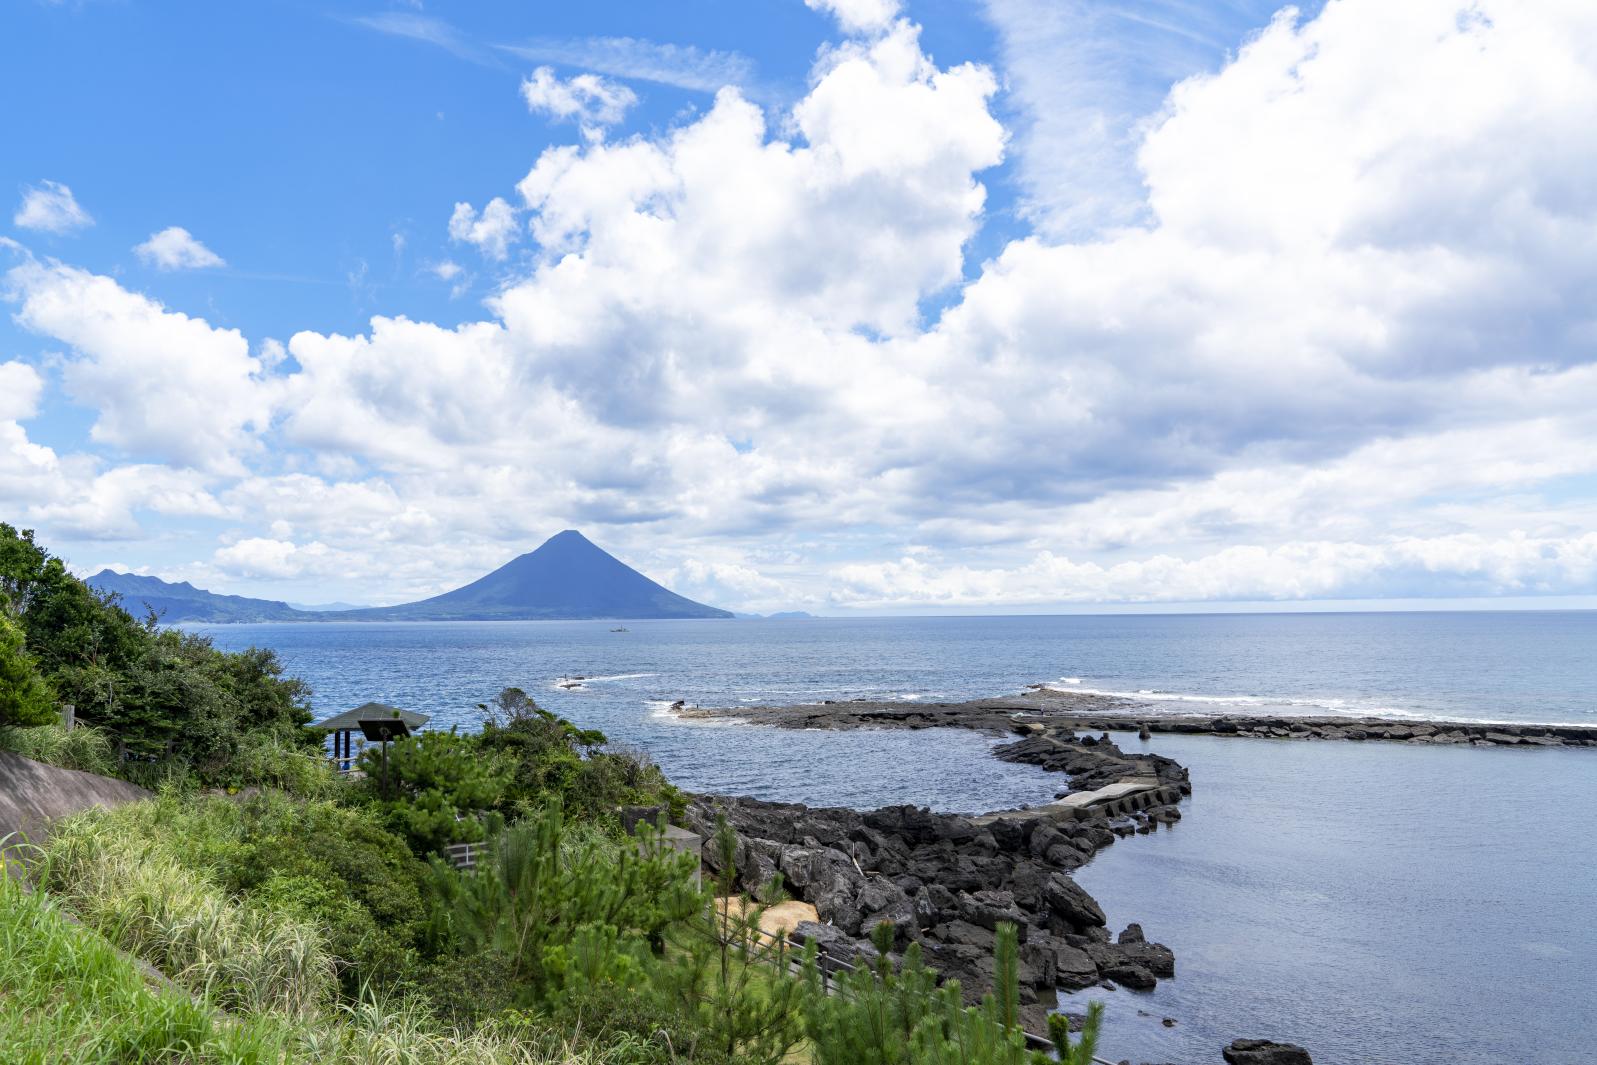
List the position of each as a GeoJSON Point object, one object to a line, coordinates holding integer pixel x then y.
{"type": "Point", "coordinates": [1044, 706]}
{"type": "Point", "coordinates": [947, 880]}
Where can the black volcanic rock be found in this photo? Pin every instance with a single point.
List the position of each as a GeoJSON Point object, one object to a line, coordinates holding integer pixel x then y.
{"type": "Point", "coordinates": [568, 578]}
{"type": "Point", "coordinates": [184, 602]}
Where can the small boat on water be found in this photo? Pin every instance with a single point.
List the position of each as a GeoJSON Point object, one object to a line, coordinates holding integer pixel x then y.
{"type": "Point", "coordinates": [623, 628]}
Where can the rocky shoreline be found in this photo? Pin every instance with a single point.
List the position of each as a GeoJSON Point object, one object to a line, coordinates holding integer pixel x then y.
{"type": "Point", "coordinates": [1046, 707]}
{"type": "Point", "coordinates": [947, 880]}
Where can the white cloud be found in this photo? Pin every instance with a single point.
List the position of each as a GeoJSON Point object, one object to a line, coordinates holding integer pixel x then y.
{"type": "Point", "coordinates": [492, 231]}
{"type": "Point", "coordinates": [1348, 350]}
{"type": "Point", "coordinates": [174, 248]}
{"type": "Point", "coordinates": [50, 207]}
{"type": "Point", "coordinates": [274, 559]}
{"type": "Point", "coordinates": [859, 16]}
{"type": "Point", "coordinates": [20, 388]}
{"type": "Point", "coordinates": [163, 383]}
{"type": "Point", "coordinates": [446, 270]}
{"type": "Point", "coordinates": [1461, 565]}
{"type": "Point", "coordinates": [591, 101]}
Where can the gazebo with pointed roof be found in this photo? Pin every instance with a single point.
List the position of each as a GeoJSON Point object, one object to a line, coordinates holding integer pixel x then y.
{"type": "Point", "coordinates": [344, 726]}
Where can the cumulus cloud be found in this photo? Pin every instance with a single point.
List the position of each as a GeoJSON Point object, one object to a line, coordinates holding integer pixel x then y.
{"type": "Point", "coordinates": [174, 248]}
{"type": "Point", "coordinates": [261, 557]}
{"type": "Point", "coordinates": [1346, 350]}
{"type": "Point", "coordinates": [163, 384]}
{"type": "Point", "coordinates": [492, 231]}
{"type": "Point", "coordinates": [858, 16]}
{"type": "Point", "coordinates": [587, 99]}
{"type": "Point", "coordinates": [20, 388]}
{"type": "Point", "coordinates": [50, 207]}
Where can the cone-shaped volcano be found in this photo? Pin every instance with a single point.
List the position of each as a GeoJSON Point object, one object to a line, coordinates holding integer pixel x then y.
{"type": "Point", "coordinates": [567, 578]}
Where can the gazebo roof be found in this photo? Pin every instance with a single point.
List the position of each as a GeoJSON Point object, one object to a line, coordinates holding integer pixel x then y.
{"type": "Point", "coordinates": [351, 719]}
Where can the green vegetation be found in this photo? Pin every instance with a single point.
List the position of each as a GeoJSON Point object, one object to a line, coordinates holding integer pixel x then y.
{"type": "Point", "coordinates": [301, 916]}
{"type": "Point", "coordinates": [173, 703]}
{"type": "Point", "coordinates": [552, 758]}
{"type": "Point", "coordinates": [25, 697]}
{"type": "Point", "coordinates": [80, 748]}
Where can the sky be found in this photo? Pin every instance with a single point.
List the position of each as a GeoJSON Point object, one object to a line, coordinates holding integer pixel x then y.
{"type": "Point", "coordinates": [848, 306]}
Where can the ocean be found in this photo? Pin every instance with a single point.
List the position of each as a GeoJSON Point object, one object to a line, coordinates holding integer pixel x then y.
{"type": "Point", "coordinates": [1375, 902]}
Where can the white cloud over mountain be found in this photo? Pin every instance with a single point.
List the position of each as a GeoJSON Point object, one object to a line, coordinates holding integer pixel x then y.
{"type": "Point", "coordinates": [1347, 349]}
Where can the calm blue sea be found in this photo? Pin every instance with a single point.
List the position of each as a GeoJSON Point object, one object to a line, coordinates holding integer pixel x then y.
{"type": "Point", "coordinates": [1378, 903]}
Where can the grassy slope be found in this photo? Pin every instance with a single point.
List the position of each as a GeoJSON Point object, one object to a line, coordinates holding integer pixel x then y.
{"type": "Point", "coordinates": [67, 997]}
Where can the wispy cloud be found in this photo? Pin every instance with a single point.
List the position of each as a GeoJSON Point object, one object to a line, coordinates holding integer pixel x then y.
{"type": "Point", "coordinates": [684, 66]}
{"type": "Point", "coordinates": [1086, 75]}
{"type": "Point", "coordinates": [429, 30]}
{"type": "Point", "coordinates": [681, 65]}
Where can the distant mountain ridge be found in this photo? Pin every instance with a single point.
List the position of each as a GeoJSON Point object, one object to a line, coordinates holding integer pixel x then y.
{"type": "Point", "coordinates": [184, 602]}
{"type": "Point", "coordinates": [568, 578]}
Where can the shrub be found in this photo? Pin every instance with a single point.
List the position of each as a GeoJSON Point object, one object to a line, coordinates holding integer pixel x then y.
{"type": "Point", "coordinates": [439, 786]}
{"type": "Point", "coordinates": [25, 697]}
{"type": "Point", "coordinates": [555, 759]}
{"type": "Point", "coordinates": [69, 998]}
{"type": "Point", "coordinates": [897, 1014]}
{"type": "Point", "coordinates": [539, 893]}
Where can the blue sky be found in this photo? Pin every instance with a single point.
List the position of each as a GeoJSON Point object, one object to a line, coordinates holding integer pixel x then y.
{"type": "Point", "coordinates": [843, 305]}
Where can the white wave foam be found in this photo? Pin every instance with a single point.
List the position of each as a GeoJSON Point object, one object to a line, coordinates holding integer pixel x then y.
{"type": "Point", "coordinates": [665, 710]}
{"type": "Point", "coordinates": [1326, 706]}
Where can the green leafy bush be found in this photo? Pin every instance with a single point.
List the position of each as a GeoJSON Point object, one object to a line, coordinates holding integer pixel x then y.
{"type": "Point", "coordinates": [138, 893]}
{"type": "Point", "coordinates": [439, 787]}
{"type": "Point", "coordinates": [555, 759]}
{"type": "Point", "coordinates": [25, 697]}
{"type": "Point", "coordinates": [312, 862]}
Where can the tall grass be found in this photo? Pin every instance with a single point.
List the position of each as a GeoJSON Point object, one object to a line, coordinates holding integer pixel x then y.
{"type": "Point", "coordinates": [82, 748]}
{"type": "Point", "coordinates": [67, 997]}
{"type": "Point", "coordinates": [136, 892]}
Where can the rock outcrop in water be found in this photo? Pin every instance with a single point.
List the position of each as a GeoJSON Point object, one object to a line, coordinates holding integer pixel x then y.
{"type": "Point", "coordinates": [947, 880]}
{"type": "Point", "coordinates": [1265, 1052]}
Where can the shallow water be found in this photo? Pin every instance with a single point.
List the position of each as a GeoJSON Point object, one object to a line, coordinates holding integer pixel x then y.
{"type": "Point", "coordinates": [1377, 903]}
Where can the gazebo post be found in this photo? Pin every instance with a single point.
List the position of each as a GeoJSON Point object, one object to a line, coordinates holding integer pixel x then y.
{"type": "Point", "coordinates": [342, 727]}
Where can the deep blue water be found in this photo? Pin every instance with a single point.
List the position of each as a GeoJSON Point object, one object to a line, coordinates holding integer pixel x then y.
{"type": "Point", "coordinates": [1376, 902]}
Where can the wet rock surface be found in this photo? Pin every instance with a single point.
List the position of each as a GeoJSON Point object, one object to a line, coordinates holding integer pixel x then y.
{"type": "Point", "coordinates": [1265, 1052]}
{"type": "Point", "coordinates": [1042, 707]}
{"type": "Point", "coordinates": [947, 881]}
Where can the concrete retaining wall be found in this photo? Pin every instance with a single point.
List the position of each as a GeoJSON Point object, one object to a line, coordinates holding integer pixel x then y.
{"type": "Point", "coordinates": [33, 794]}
